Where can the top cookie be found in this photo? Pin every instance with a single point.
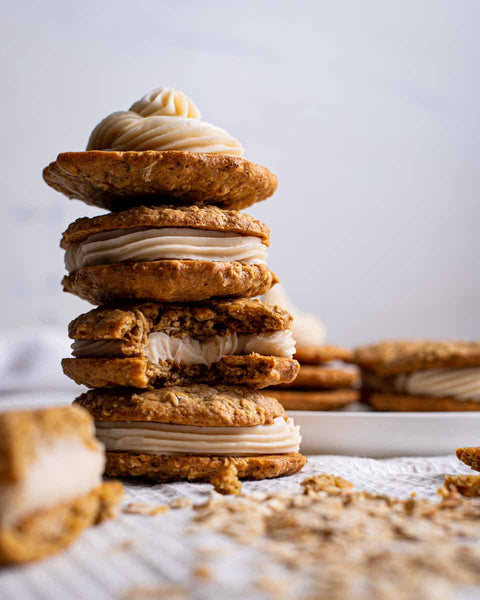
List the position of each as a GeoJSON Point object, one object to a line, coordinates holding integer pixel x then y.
{"type": "Point", "coordinates": [319, 354]}
{"type": "Point", "coordinates": [209, 218]}
{"type": "Point", "coordinates": [119, 180]}
{"type": "Point", "coordinates": [132, 323]}
{"type": "Point", "coordinates": [160, 152]}
{"type": "Point", "coordinates": [403, 356]}
{"type": "Point", "coordinates": [199, 405]}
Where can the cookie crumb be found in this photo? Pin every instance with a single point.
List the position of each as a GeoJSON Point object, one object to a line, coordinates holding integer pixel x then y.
{"type": "Point", "coordinates": [465, 485]}
{"type": "Point", "coordinates": [344, 543]}
{"type": "Point", "coordinates": [123, 546]}
{"type": "Point", "coordinates": [332, 484]}
{"type": "Point", "coordinates": [180, 503]}
{"type": "Point", "coordinates": [158, 592]}
{"type": "Point", "coordinates": [140, 508]}
{"type": "Point", "coordinates": [226, 481]}
{"type": "Point", "coordinates": [203, 571]}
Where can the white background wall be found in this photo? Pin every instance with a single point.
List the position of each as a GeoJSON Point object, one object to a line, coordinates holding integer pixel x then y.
{"type": "Point", "coordinates": [366, 110]}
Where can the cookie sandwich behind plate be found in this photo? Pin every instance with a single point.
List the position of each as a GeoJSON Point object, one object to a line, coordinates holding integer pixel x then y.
{"type": "Point", "coordinates": [420, 375]}
{"type": "Point", "coordinates": [322, 383]}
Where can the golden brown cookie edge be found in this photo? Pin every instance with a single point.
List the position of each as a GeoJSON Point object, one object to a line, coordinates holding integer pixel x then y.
{"type": "Point", "coordinates": [49, 531]}
{"type": "Point", "coordinates": [169, 281]}
{"type": "Point", "coordinates": [252, 370]}
{"type": "Point", "coordinates": [161, 468]}
{"type": "Point", "coordinates": [470, 456]}
{"type": "Point", "coordinates": [393, 357]}
{"type": "Point", "coordinates": [199, 404]}
{"type": "Point", "coordinates": [209, 218]}
{"type": "Point", "coordinates": [305, 400]}
{"type": "Point", "coordinates": [407, 403]}
{"type": "Point", "coordinates": [313, 377]}
{"type": "Point", "coordinates": [310, 354]}
{"type": "Point", "coordinates": [117, 180]}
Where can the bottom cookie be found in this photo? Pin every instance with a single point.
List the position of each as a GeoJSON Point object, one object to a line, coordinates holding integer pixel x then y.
{"type": "Point", "coordinates": [328, 400]}
{"type": "Point", "coordinates": [48, 531]}
{"type": "Point", "coordinates": [162, 468]}
{"type": "Point", "coordinates": [470, 456]}
{"type": "Point", "coordinates": [406, 403]}
{"type": "Point", "coordinates": [309, 354]}
{"type": "Point", "coordinates": [314, 377]}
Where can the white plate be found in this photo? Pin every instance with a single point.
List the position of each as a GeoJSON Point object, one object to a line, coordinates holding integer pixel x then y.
{"type": "Point", "coordinates": [385, 434]}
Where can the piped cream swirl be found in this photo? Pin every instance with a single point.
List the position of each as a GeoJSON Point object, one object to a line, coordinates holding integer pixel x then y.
{"type": "Point", "coordinates": [143, 245]}
{"type": "Point", "coordinates": [164, 119]}
{"type": "Point", "coordinates": [281, 437]}
{"type": "Point", "coordinates": [166, 102]}
{"type": "Point", "coordinates": [459, 383]}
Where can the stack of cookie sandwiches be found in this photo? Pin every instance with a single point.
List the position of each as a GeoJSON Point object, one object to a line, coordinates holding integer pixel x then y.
{"type": "Point", "coordinates": [420, 375]}
{"type": "Point", "coordinates": [323, 381]}
{"type": "Point", "coordinates": [178, 348]}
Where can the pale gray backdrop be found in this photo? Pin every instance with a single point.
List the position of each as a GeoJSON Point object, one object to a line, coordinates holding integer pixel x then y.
{"type": "Point", "coordinates": [366, 110]}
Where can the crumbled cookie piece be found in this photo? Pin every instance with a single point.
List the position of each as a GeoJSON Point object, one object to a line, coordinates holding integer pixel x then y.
{"type": "Point", "coordinates": [325, 483]}
{"type": "Point", "coordinates": [158, 592]}
{"type": "Point", "coordinates": [465, 485]}
{"type": "Point", "coordinates": [202, 571]}
{"type": "Point", "coordinates": [140, 508]}
{"type": "Point", "coordinates": [470, 456]}
{"type": "Point", "coordinates": [180, 503]}
{"type": "Point", "coordinates": [226, 481]}
{"type": "Point", "coordinates": [343, 543]}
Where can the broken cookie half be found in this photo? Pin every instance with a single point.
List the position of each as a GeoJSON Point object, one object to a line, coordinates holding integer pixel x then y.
{"type": "Point", "coordinates": [51, 486]}
{"type": "Point", "coordinates": [151, 345]}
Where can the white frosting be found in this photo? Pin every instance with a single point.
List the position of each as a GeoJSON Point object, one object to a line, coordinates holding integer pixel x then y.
{"type": "Point", "coordinates": [164, 119]}
{"type": "Point", "coordinates": [307, 328]}
{"type": "Point", "coordinates": [166, 102]}
{"type": "Point", "coordinates": [459, 383]}
{"type": "Point", "coordinates": [190, 351]}
{"type": "Point", "coordinates": [159, 438]}
{"type": "Point", "coordinates": [143, 245]}
{"type": "Point", "coordinates": [88, 348]}
{"type": "Point", "coordinates": [60, 472]}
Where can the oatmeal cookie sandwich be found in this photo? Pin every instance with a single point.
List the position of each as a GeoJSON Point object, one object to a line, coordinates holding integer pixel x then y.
{"type": "Point", "coordinates": [51, 485]}
{"type": "Point", "coordinates": [167, 254]}
{"type": "Point", "coordinates": [322, 383]}
{"type": "Point", "coordinates": [191, 432]}
{"type": "Point", "coordinates": [240, 342]}
{"type": "Point", "coordinates": [420, 375]}
{"type": "Point", "coordinates": [160, 152]}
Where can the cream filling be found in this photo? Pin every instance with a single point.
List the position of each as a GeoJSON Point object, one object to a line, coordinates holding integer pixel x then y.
{"type": "Point", "coordinates": [459, 383]}
{"type": "Point", "coordinates": [307, 328]}
{"type": "Point", "coordinates": [164, 119]}
{"type": "Point", "coordinates": [191, 351]}
{"type": "Point", "coordinates": [281, 437]}
{"type": "Point", "coordinates": [143, 245]}
{"type": "Point", "coordinates": [60, 472]}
